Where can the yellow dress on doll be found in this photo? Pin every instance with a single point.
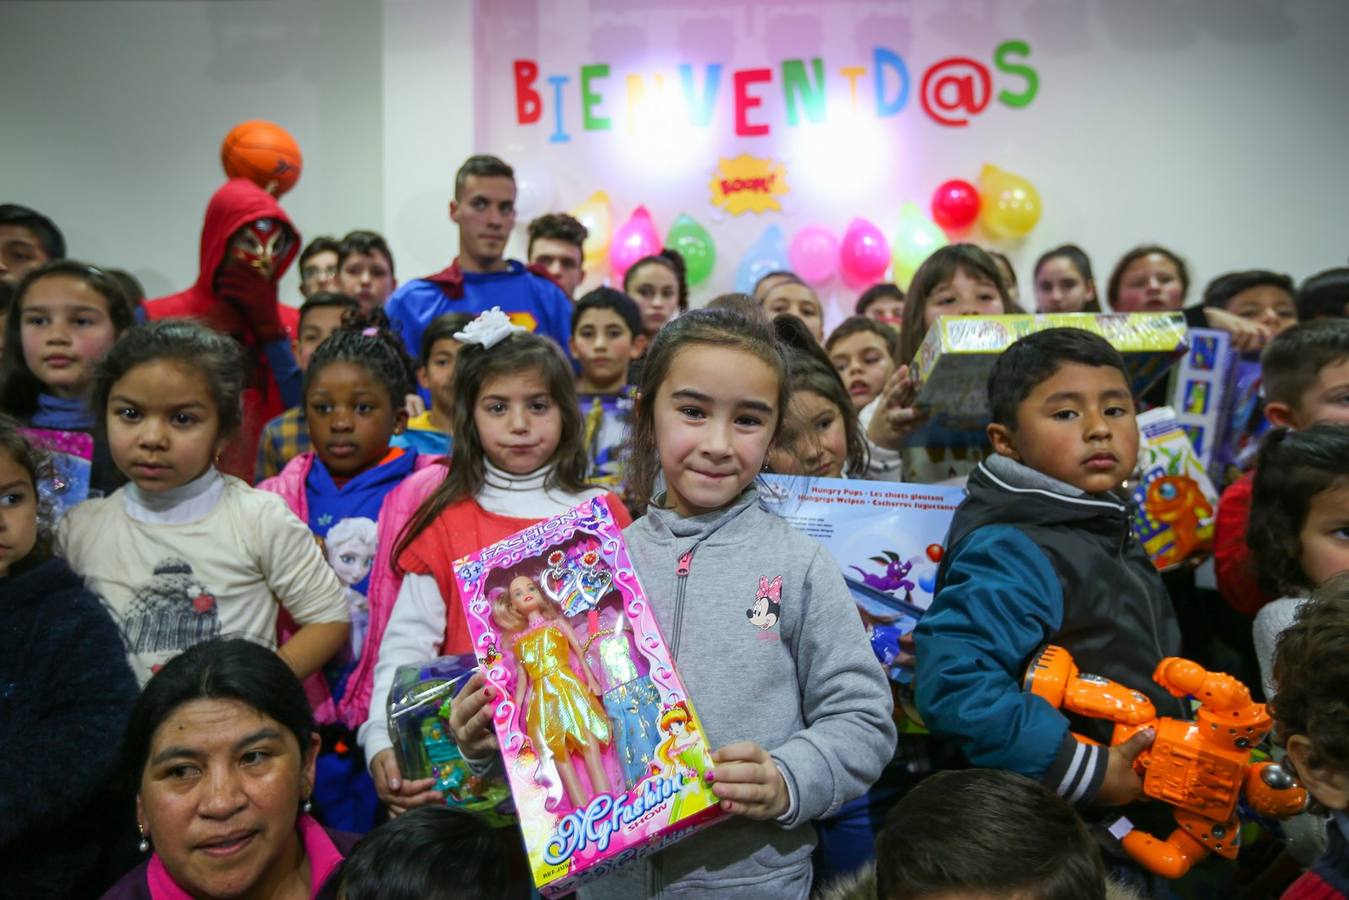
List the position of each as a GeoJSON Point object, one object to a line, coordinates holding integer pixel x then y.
{"type": "Point", "coordinates": [563, 714]}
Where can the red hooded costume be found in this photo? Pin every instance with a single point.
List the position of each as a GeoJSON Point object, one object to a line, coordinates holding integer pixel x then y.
{"type": "Point", "coordinates": [237, 203]}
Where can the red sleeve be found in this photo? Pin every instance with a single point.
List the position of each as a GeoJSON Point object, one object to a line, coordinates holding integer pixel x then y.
{"type": "Point", "coordinates": [1232, 562]}
{"type": "Point", "coordinates": [1311, 887]}
{"type": "Point", "coordinates": [620, 512]}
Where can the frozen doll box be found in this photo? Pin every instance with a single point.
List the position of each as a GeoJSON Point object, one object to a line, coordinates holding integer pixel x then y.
{"type": "Point", "coordinates": [603, 750]}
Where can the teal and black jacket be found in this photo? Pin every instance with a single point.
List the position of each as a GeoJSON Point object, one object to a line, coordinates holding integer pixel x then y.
{"type": "Point", "coordinates": [1033, 561]}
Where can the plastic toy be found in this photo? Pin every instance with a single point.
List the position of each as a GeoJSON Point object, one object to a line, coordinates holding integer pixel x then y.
{"type": "Point", "coordinates": [1201, 768]}
{"type": "Point", "coordinates": [419, 714]}
{"type": "Point", "coordinates": [585, 692]}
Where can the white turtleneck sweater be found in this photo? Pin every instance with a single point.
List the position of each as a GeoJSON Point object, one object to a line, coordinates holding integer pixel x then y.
{"type": "Point", "coordinates": [416, 628]}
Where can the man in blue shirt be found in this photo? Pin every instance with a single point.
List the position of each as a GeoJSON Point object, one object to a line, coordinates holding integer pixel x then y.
{"type": "Point", "coordinates": [481, 277]}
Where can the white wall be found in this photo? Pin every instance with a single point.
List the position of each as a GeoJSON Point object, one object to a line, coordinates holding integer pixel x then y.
{"type": "Point", "coordinates": [1216, 126]}
{"type": "Point", "coordinates": [112, 115]}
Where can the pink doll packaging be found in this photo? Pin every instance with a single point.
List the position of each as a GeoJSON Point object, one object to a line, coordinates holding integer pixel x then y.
{"type": "Point", "coordinates": [605, 755]}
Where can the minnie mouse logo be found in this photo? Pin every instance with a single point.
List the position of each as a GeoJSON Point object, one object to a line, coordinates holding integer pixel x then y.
{"type": "Point", "coordinates": [767, 606]}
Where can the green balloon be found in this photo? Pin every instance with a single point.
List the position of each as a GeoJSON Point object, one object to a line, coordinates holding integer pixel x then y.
{"type": "Point", "coordinates": [694, 243]}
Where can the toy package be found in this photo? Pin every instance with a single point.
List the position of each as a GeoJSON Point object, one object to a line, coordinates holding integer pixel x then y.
{"type": "Point", "coordinates": [956, 356]}
{"type": "Point", "coordinates": [419, 715]}
{"type": "Point", "coordinates": [1215, 394]}
{"type": "Point", "coordinates": [603, 749]}
{"type": "Point", "coordinates": [887, 538]}
{"type": "Point", "coordinates": [71, 453]}
{"type": "Point", "coordinates": [1173, 496]}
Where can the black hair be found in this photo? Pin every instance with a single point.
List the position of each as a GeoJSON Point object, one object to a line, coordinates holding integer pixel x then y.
{"type": "Point", "coordinates": [443, 327]}
{"type": "Point", "coordinates": [716, 327]}
{"type": "Point", "coordinates": [132, 289]}
{"type": "Point", "coordinates": [522, 351]}
{"type": "Point", "coordinates": [1324, 295]}
{"type": "Point", "coordinates": [428, 853]}
{"type": "Point", "coordinates": [1137, 253]}
{"type": "Point", "coordinates": [1293, 467]}
{"type": "Point", "coordinates": [557, 227]}
{"type": "Point", "coordinates": [810, 369]}
{"type": "Point", "coordinates": [366, 242]}
{"type": "Point", "coordinates": [935, 271]}
{"type": "Point", "coordinates": [1034, 358]}
{"type": "Point", "coordinates": [1078, 259]}
{"type": "Point", "coordinates": [325, 300]}
{"type": "Point", "coordinates": [1290, 363]}
{"type": "Point", "coordinates": [321, 244]}
{"type": "Point", "coordinates": [1311, 672]}
{"type": "Point", "coordinates": [609, 298]}
{"type": "Point", "coordinates": [37, 464]}
{"type": "Point", "coordinates": [367, 340]}
{"type": "Point", "coordinates": [6, 297]}
{"type": "Point", "coordinates": [218, 669]}
{"type": "Point", "coordinates": [877, 292]}
{"type": "Point", "coordinates": [44, 229]}
{"type": "Point", "coordinates": [858, 324]}
{"type": "Point", "coordinates": [19, 387]}
{"type": "Point", "coordinates": [990, 832]}
{"type": "Point", "coordinates": [1222, 289]}
{"type": "Point", "coordinates": [742, 304]}
{"type": "Point", "coordinates": [786, 274]}
{"type": "Point", "coordinates": [481, 166]}
{"type": "Point", "coordinates": [671, 259]}
{"type": "Point", "coordinates": [1010, 270]}
{"type": "Point", "coordinates": [214, 355]}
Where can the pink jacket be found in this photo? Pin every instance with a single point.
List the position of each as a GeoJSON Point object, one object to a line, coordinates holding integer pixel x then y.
{"type": "Point", "coordinates": [394, 513]}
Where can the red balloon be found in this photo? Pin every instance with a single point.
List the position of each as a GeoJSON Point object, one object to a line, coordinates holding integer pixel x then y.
{"type": "Point", "coordinates": [934, 552]}
{"type": "Point", "coordinates": [955, 205]}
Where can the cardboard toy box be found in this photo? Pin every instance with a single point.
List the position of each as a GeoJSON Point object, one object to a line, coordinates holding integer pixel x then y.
{"type": "Point", "coordinates": [957, 355]}
{"type": "Point", "coordinates": [1174, 499]}
{"type": "Point", "coordinates": [603, 749]}
{"type": "Point", "coordinates": [1216, 395]}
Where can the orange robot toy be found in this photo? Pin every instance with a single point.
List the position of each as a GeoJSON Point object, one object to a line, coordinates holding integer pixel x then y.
{"type": "Point", "coordinates": [1201, 768]}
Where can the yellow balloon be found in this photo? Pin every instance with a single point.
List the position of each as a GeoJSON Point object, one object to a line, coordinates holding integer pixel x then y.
{"type": "Point", "coordinates": [1009, 204]}
{"type": "Point", "coordinates": [914, 242]}
{"type": "Point", "coordinates": [597, 216]}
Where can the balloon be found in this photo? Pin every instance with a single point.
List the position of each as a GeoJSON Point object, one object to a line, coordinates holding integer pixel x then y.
{"type": "Point", "coordinates": [633, 240]}
{"type": "Point", "coordinates": [814, 254]}
{"type": "Point", "coordinates": [928, 582]}
{"type": "Point", "coordinates": [934, 552]}
{"type": "Point", "coordinates": [767, 254]}
{"type": "Point", "coordinates": [915, 240]}
{"type": "Point", "coordinates": [694, 243]}
{"type": "Point", "coordinates": [1010, 203]}
{"type": "Point", "coordinates": [596, 216]}
{"type": "Point", "coordinates": [533, 191]}
{"type": "Point", "coordinates": [864, 254]}
{"type": "Point", "coordinates": [955, 205]}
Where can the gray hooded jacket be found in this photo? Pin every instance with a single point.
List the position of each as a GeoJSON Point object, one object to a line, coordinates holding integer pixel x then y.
{"type": "Point", "coordinates": [787, 666]}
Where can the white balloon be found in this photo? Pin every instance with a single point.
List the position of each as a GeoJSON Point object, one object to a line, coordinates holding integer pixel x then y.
{"type": "Point", "coordinates": [534, 191]}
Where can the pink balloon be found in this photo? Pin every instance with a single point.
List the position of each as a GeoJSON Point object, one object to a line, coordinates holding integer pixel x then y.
{"type": "Point", "coordinates": [864, 255]}
{"type": "Point", "coordinates": [633, 240]}
{"type": "Point", "coordinates": [814, 254]}
{"type": "Point", "coordinates": [955, 205]}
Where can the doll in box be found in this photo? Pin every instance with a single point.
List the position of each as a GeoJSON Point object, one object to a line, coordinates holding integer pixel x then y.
{"type": "Point", "coordinates": [630, 698]}
{"type": "Point", "coordinates": [563, 715]}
